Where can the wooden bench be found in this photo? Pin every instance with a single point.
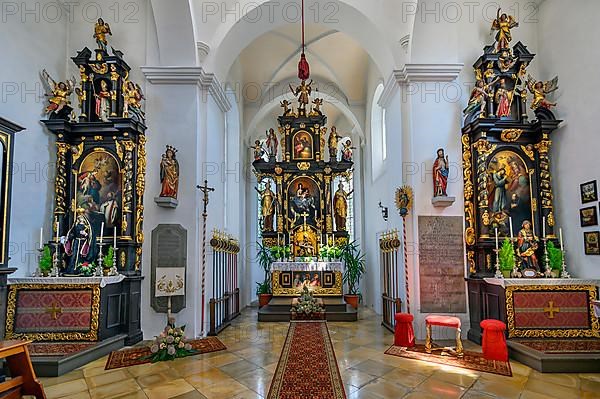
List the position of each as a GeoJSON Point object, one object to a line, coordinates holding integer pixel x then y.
{"type": "Point", "coordinates": [23, 381]}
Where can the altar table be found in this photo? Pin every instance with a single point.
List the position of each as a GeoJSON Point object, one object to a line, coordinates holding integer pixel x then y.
{"type": "Point", "coordinates": [535, 307]}
{"type": "Point", "coordinates": [321, 278]}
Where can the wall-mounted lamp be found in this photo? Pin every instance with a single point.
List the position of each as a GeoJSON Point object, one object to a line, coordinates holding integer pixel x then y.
{"type": "Point", "coordinates": [384, 211]}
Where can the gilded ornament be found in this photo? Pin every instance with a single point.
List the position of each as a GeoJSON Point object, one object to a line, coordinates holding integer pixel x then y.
{"type": "Point", "coordinates": [511, 135]}
{"type": "Point", "coordinates": [100, 69]}
{"type": "Point", "coordinates": [303, 165]}
{"type": "Point", "coordinates": [528, 150]}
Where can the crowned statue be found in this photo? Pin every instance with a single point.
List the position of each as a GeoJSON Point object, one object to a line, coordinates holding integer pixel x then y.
{"type": "Point", "coordinates": [169, 173]}
{"type": "Point", "coordinates": [80, 243]}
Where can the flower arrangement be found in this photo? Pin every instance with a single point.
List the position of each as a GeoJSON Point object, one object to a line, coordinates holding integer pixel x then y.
{"type": "Point", "coordinates": [330, 252]}
{"type": "Point", "coordinates": [45, 263]}
{"type": "Point", "coordinates": [555, 256]}
{"type": "Point", "coordinates": [107, 260]}
{"type": "Point", "coordinates": [506, 255]}
{"type": "Point", "coordinates": [307, 304]}
{"type": "Point", "coordinates": [87, 268]}
{"type": "Point", "coordinates": [170, 344]}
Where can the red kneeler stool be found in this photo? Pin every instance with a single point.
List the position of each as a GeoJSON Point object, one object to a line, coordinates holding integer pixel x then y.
{"type": "Point", "coordinates": [404, 334]}
{"type": "Point", "coordinates": [494, 340]}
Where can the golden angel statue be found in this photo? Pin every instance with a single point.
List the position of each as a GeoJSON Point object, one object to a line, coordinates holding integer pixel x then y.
{"type": "Point", "coordinates": [340, 207]}
{"type": "Point", "coordinates": [316, 110]}
{"type": "Point", "coordinates": [540, 90]}
{"type": "Point", "coordinates": [267, 206]}
{"type": "Point", "coordinates": [132, 104]}
{"type": "Point", "coordinates": [101, 29]}
{"type": "Point", "coordinates": [303, 92]}
{"type": "Point", "coordinates": [503, 24]}
{"type": "Point", "coordinates": [60, 92]}
{"type": "Point", "coordinates": [285, 104]}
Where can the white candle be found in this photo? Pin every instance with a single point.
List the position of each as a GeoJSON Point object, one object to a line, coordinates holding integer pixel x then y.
{"type": "Point", "coordinates": [102, 232]}
{"type": "Point", "coordinates": [562, 246]}
{"type": "Point", "coordinates": [57, 231]}
{"type": "Point", "coordinates": [511, 227]}
{"type": "Point", "coordinates": [41, 237]}
{"type": "Point", "coordinates": [544, 227]}
{"type": "Point", "coordinates": [115, 238]}
{"type": "Point", "coordinates": [496, 230]}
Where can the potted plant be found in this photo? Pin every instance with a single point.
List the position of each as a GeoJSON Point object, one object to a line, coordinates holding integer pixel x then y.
{"type": "Point", "coordinates": [87, 269]}
{"type": "Point", "coordinates": [307, 307]}
{"type": "Point", "coordinates": [46, 261]}
{"type": "Point", "coordinates": [354, 268]}
{"type": "Point", "coordinates": [263, 289]}
{"type": "Point", "coordinates": [107, 261]}
{"type": "Point", "coordinates": [555, 259]}
{"type": "Point", "coordinates": [506, 258]}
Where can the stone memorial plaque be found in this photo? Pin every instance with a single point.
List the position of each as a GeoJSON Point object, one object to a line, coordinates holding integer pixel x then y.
{"type": "Point", "coordinates": [442, 264]}
{"type": "Point", "coordinates": [169, 250]}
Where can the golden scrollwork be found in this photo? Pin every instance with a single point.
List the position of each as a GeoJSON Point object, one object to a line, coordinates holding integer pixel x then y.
{"type": "Point", "coordinates": [60, 181]}
{"type": "Point", "coordinates": [269, 241]}
{"type": "Point", "coordinates": [484, 147]}
{"type": "Point", "coordinates": [471, 262]}
{"type": "Point", "coordinates": [278, 290]}
{"type": "Point", "coordinates": [550, 219]}
{"type": "Point", "coordinates": [528, 150]}
{"type": "Point", "coordinates": [303, 165]}
{"type": "Point", "coordinates": [511, 135]}
{"type": "Point", "coordinates": [11, 313]}
{"type": "Point", "coordinates": [77, 152]}
{"type": "Point", "coordinates": [514, 332]}
{"type": "Point", "coordinates": [100, 69]}
{"type": "Point", "coordinates": [140, 187]}
{"type": "Point", "coordinates": [543, 146]}
{"type": "Point", "coordinates": [123, 259]}
{"type": "Point", "coordinates": [468, 190]}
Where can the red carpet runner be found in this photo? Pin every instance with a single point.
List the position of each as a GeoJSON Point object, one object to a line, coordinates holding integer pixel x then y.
{"type": "Point", "coordinates": [307, 368]}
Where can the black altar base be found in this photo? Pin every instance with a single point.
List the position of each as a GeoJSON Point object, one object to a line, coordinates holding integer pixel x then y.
{"type": "Point", "coordinates": [568, 362]}
{"type": "Point", "coordinates": [279, 309]}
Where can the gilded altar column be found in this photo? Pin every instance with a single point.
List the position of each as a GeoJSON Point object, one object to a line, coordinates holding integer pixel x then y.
{"type": "Point", "coordinates": [140, 187]}
{"type": "Point", "coordinates": [279, 182]}
{"type": "Point", "coordinates": [469, 201]}
{"type": "Point", "coordinates": [114, 78]}
{"type": "Point", "coordinates": [328, 211]}
{"type": "Point", "coordinates": [484, 149]}
{"type": "Point", "coordinates": [60, 186]}
{"type": "Point", "coordinates": [546, 196]}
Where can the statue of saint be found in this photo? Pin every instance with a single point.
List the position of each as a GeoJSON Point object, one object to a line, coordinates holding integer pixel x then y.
{"type": "Point", "coordinates": [340, 207]}
{"type": "Point", "coordinates": [347, 151]}
{"type": "Point", "coordinates": [503, 99]}
{"type": "Point", "coordinates": [103, 102]}
{"type": "Point", "coordinates": [527, 244]}
{"type": "Point", "coordinates": [441, 171]}
{"type": "Point", "coordinates": [267, 203]}
{"type": "Point", "coordinates": [80, 245]}
{"type": "Point", "coordinates": [302, 92]}
{"type": "Point", "coordinates": [169, 173]}
{"type": "Point", "coordinates": [132, 104]}
{"type": "Point", "coordinates": [333, 144]}
{"type": "Point", "coordinates": [503, 24]}
{"type": "Point", "coordinates": [101, 29]}
{"type": "Point", "coordinates": [259, 151]}
{"type": "Point", "coordinates": [272, 144]}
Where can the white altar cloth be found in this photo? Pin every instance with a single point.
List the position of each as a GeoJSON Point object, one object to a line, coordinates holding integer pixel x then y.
{"type": "Point", "coordinates": [505, 282]}
{"type": "Point", "coordinates": [307, 266]}
{"type": "Point", "coordinates": [102, 281]}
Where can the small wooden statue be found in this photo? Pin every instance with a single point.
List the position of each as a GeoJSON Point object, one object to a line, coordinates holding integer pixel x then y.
{"type": "Point", "coordinates": [316, 110]}
{"type": "Point", "coordinates": [272, 144]}
{"type": "Point", "coordinates": [259, 151]}
{"type": "Point", "coordinates": [302, 92]}
{"type": "Point", "coordinates": [132, 104]}
{"type": "Point", "coordinates": [340, 207]}
{"type": "Point", "coordinates": [540, 90]}
{"type": "Point", "coordinates": [267, 204]}
{"type": "Point", "coordinates": [333, 144]}
{"type": "Point", "coordinates": [59, 102]}
{"type": "Point", "coordinates": [347, 151]}
{"type": "Point", "coordinates": [103, 102]}
{"type": "Point", "coordinates": [441, 171]}
{"type": "Point", "coordinates": [527, 244]}
{"type": "Point", "coordinates": [169, 173]}
{"type": "Point", "coordinates": [101, 29]}
{"type": "Point", "coordinates": [285, 104]}
{"type": "Point", "coordinates": [503, 24]}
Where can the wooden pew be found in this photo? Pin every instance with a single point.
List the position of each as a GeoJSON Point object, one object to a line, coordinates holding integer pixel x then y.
{"type": "Point", "coordinates": [23, 381]}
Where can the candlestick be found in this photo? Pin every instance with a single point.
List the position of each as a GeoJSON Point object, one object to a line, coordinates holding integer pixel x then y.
{"type": "Point", "coordinates": [496, 231]}
{"type": "Point", "coordinates": [115, 238]}
{"type": "Point", "coordinates": [41, 237]}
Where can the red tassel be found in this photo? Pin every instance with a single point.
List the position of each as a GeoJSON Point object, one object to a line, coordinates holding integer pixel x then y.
{"type": "Point", "coordinates": [303, 68]}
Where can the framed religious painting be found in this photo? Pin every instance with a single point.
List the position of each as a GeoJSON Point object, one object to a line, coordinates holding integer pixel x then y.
{"type": "Point", "coordinates": [589, 192]}
{"type": "Point", "coordinates": [589, 216]}
{"type": "Point", "coordinates": [591, 242]}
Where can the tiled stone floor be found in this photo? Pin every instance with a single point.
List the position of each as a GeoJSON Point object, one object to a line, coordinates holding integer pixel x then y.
{"type": "Point", "coordinates": [245, 369]}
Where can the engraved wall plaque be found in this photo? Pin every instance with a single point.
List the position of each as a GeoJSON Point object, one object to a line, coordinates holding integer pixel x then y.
{"type": "Point", "coordinates": [441, 264]}
{"type": "Point", "coordinates": [169, 250]}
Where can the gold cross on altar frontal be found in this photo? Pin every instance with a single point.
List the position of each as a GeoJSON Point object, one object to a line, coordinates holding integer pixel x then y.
{"type": "Point", "coordinates": [54, 311]}
{"type": "Point", "coordinates": [551, 310]}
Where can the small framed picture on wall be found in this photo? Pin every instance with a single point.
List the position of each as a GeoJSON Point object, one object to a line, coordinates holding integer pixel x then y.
{"type": "Point", "coordinates": [591, 242]}
{"type": "Point", "coordinates": [589, 192]}
{"type": "Point", "coordinates": [589, 216]}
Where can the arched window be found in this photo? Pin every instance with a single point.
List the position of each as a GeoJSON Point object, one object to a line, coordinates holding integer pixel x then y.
{"type": "Point", "coordinates": [378, 134]}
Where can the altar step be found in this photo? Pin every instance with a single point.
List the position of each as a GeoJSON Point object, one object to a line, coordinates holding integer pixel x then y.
{"type": "Point", "coordinates": [54, 365]}
{"type": "Point", "coordinates": [580, 361]}
{"type": "Point", "coordinates": [336, 309]}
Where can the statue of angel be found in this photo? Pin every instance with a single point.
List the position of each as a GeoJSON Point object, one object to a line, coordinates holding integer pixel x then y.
{"type": "Point", "coordinates": [540, 90]}
{"type": "Point", "coordinates": [503, 24]}
{"type": "Point", "coordinates": [133, 96]}
{"type": "Point", "coordinates": [59, 94]}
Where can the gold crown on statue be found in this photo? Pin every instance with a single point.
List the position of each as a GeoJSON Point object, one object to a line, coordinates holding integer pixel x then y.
{"type": "Point", "coordinates": [171, 148]}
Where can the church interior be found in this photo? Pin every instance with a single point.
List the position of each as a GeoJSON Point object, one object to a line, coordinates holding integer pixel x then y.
{"type": "Point", "coordinates": [299, 199]}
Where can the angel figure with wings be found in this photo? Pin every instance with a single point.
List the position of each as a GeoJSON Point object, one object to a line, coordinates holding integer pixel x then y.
{"type": "Point", "coordinates": [503, 24]}
{"type": "Point", "coordinates": [133, 96]}
{"type": "Point", "coordinates": [540, 90]}
{"type": "Point", "coordinates": [60, 93]}
{"type": "Point", "coordinates": [101, 30]}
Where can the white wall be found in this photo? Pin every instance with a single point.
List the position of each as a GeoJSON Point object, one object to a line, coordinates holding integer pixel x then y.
{"type": "Point", "coordinates": [571, 53]}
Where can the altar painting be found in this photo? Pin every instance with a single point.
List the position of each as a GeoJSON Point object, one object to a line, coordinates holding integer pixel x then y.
{"type": "Point", "coordinates": [509, 189]}
{"type": "Point", "coordinates": [99, 188]}
{"type": "Point", "coordinates": [319, 282]}
{"type": "Point", "coordinates": [303, 198]}
{"type": "Point", "coordinates": [303, 146]}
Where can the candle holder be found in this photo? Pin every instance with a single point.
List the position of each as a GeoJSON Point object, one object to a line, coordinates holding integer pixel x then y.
{"type": "Point", "coordinates": [56, 259]}
{"type": "Point", "coordinates": [547, 268]}
{"type": "Point", "coordinates": [38, 271]}
{"type": "Point", "coordinates": [100, 260]}
{"type": "Point", "coordinates": [498, 271]}
{"type": "Point", "coordinates": [564, 273]}
{"type": "Point", "coordinates": [516, 273]}
{"type": "Point", "coordinates": [113, 269]}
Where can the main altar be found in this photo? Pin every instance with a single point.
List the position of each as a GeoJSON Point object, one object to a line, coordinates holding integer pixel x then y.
{"type": "Point", "coordinates": [515, 252]}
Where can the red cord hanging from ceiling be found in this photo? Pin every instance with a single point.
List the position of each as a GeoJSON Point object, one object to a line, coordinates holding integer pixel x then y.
{"type": "Point", "coordinates": [303, 67]}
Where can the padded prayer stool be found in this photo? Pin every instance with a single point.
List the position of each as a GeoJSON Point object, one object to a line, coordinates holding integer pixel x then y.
{"type": "Point", "coordinates": [443, 321]}
{"type": "Point", "coordinates": [404, 334]}
{"type": "Point", "coordinates": [494, 340]}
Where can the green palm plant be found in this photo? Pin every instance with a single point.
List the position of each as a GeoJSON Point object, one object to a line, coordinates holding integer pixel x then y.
{"type": "Point", "coordinates": [264, 258]}
{"type": "Point", "coordinates": [506, 255]}
{"type": "Point", "coordinates": [354, 262]}
{"type": "Point", "coordinates": [555, 256]}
